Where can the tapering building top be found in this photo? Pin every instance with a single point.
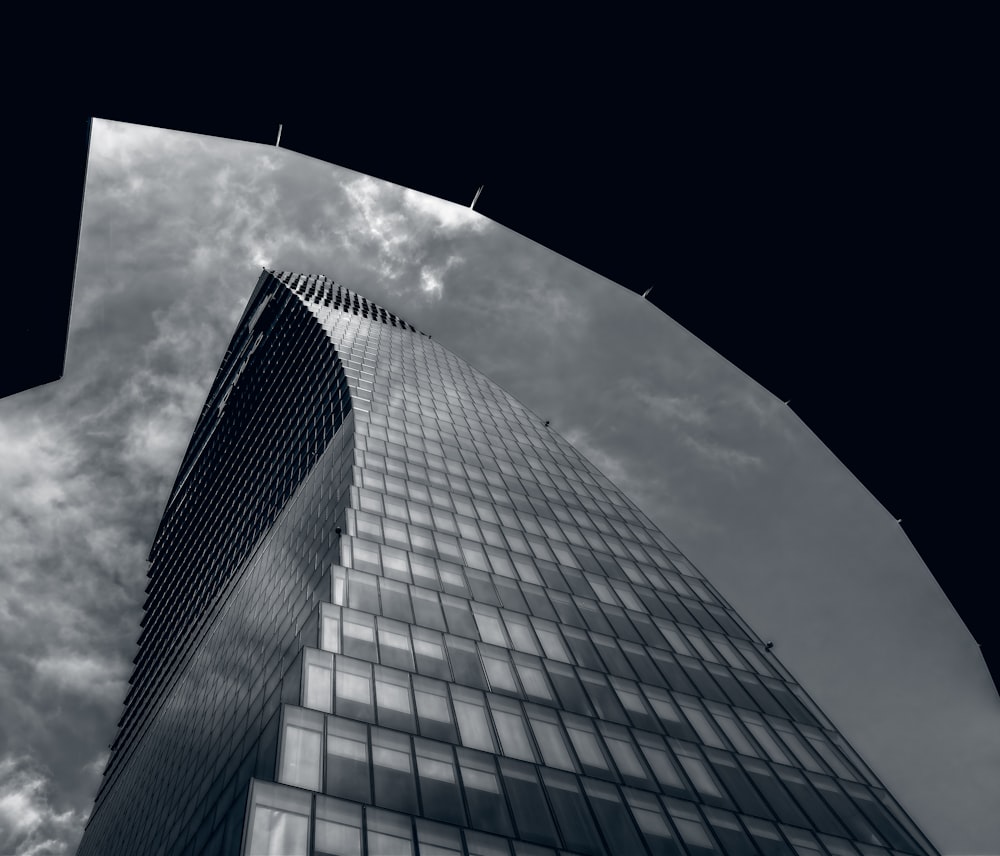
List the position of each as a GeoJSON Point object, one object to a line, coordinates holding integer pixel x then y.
{"type": "Point", "coordinates": [390, 610]}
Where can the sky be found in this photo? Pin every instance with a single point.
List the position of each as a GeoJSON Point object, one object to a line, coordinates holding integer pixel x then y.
{"type": "Point", "coordinates": [175, 229]}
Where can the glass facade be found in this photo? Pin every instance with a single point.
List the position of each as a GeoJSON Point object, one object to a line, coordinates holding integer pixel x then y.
{"type": "Point", "coordinates": [392, 612]}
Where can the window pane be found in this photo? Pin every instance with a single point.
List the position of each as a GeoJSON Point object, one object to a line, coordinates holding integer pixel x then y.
{"type": "Point", "coordinates": [301, 758]}
{"type": "Point", "coordinates": [514, 740]}
{"type": "Point", "coordinates": [472, 724]}
{"type": "Point", "coordinates": [275, 831]}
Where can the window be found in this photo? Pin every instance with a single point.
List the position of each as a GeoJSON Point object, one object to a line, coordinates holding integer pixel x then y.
{"type": "Point", "coordinates": [473, 724]}
{"type": "Point", "coordinates": [465, 661]}
{"type": "Point", "coordinates": [279, 821]}
{"type": "Point", "coordinates": [691, 827]}
{"type": "Point", "coordinates": [625, 756]}
{"type": "Point", "coordinates": [394, 644]}
{"type": "Point", "coordinates": [509, 723]}
{"type": "Point", "coordinates": [392, 771]}
{"type": "Point", "coordinates": [433, 710]}
{"type": "Point", "coordinates": [359, 635]}
{"type": "Point", "coordinates": [552, 643]}
{"type": "Point", "coordinates": [587, 746]}
{"type": "Point", "coordinates": [302, 749]}
{"type": "Point", "coordinates": [347, 759]}
{"type": "Point", "coordinates": [698, 772]}
{"type": "Point", "coordinates": [392, 694]}
{"type": "Point", "coordinates": [521, 634]}
{"type": "Point", "coordinates": [354, 689]}
{"type": "Point", "coordinates": [652, 824]}
{"type": "Point", "coordinates": [550, 738]}
{"type": "Point", "coordinates": [318, 689]}
{"type": "Point", "coordinates": [389, 834]}
{"type": "Point", "coordinates": [338, 828]}
{"type": "Point", "coordinates": [531, 813]}
{"type": "Point", "coordinates": [438, 840]}
{"type": "Point", "coordinates": [481, 785]}
{"type": "Point", "coordinates": [661, 762]}
{"type": "Point", "coordinates": [488, 622]}
{"type": "Point", "coordinates": [532, 676]}
{"type": "Point", "coordinates": [572, 814]}
{"type": "Point", "coordinates": [499, 670]}
{"type": "Point", "coordinates": [613, 817]}
{"type": "Point", "coordinates": [428, 650]}
{"type": "Point", "coordinates": [439, 789]}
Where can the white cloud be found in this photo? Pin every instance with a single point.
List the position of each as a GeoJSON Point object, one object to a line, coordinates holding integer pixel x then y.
{"type": "Point", "coordinates": [29, 823]}
{"type": "Point", "coordinates": [447, 214]}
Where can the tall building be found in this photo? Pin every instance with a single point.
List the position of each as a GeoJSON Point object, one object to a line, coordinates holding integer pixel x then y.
{"type": "Point", "coordinates": [392, 611]}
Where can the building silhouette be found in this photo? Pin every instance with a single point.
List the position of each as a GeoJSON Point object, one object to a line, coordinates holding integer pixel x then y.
{"type": "Point", "coordinates": [392, 611]}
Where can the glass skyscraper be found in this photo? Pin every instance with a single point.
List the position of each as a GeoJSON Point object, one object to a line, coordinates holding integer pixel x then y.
{"type": "Point", "coordinates": [391, 611]}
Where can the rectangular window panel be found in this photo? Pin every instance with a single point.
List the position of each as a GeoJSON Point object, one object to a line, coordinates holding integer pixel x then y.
{"type": "Point", "coordinates": [613, 818]}
{"type": "Point", "coordinates": [473, 724]}
{"type": "Point", "coordinates": [433, 709]}
{"type": "Point", "coordinates": [392, 771]}
{"type": "Point", "coordinates": [465, 662]}
{"type": "Point", "coordinates": [511, 730]}
{"type": "Point", "coordinates": [389, 834]}
{"type": "Point", "coordinates": [302, 755]}
{"type": "Point", "coordinates": [648, 814]}
{"type": "Point", "coordinates": [318, 690]}
{"type": "Point", "coordinates": [550, 738]}
{"type": "Point", "coordinates": [347, 759]}
{"type": "Point", "coordinates": [499, 671]}
{"type": "Point", "coordinates": [572, 814]}
{"type": "Point", "coordinates": [338, 828]}
{"type": "Point", "coordinates": [531, 813]}
{"type": "Point", "coordinates": [587, 747]}
{"type": "Point", "coordinates": [354, 690]}
{"type": "Point", "coordinates": [483, 795]}
{"type": "Point", "coordinates": [532, 677]}
{"type": "Point", "coordinates": [439, 790]}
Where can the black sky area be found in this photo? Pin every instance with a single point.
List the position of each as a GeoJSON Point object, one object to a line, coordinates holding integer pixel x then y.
{"type": "Point", "coordinates": [823, 238]}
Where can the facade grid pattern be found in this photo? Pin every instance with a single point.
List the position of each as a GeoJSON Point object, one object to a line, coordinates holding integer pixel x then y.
{"type": "Point", "coordinates": [493, 651]}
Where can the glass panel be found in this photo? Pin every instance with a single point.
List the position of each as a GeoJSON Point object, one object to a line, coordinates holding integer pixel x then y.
{"type": "Point", "coordinates": [648, 814]}
{"type": "Point", "coordinates": [473, 724]}
{"type": "Point", "coordinates": [572, 814]}
{"type": "Point", "coordinates": [428, 649]}
{"type": "Point", "coordinates": [276, 831]}
{"type": "Point", "coordinates": [550, 738]}
{"type": "Point", "coordinates": [509, 723]}
{"type": "Point", "coordinates": [318, 691]}
{"type": "Point", "coordinates": [531, 814]}
{"type": "Point", "coordinates": [347, 759]}
{"type": "Point", "coordinates": [392, 694]}
{"type": "Point", "coordinates": [392, 770]}
{"type": "Point", "coordinates": [394, 644]}
{"type": "Point", "coordinates": [338, 828]}
{"type": "Point", "coordinates": [438, 781]}
{"type": "Point", "coordinates": [481, 785]}
{"type": "Point", "coordinates": [613, 818]}
{"type": "Point", "coordinates": [354, 689]}
{"type": "Point", "coordinates": [301, 756]}
{"type": "Point", "coordinates": [433, 709]}
{"type": "Point", "coordinates": [389, 834]}
{"type": "Point", "coordinates": [587, 746]}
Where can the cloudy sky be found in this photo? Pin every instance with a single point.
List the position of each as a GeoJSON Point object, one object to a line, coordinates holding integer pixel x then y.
{"type": "Point", "coordinates": [175, 230]}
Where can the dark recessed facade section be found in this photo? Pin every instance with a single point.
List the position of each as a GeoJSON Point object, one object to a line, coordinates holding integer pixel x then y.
{"type": "Point", "coordinates": [264, 426]}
